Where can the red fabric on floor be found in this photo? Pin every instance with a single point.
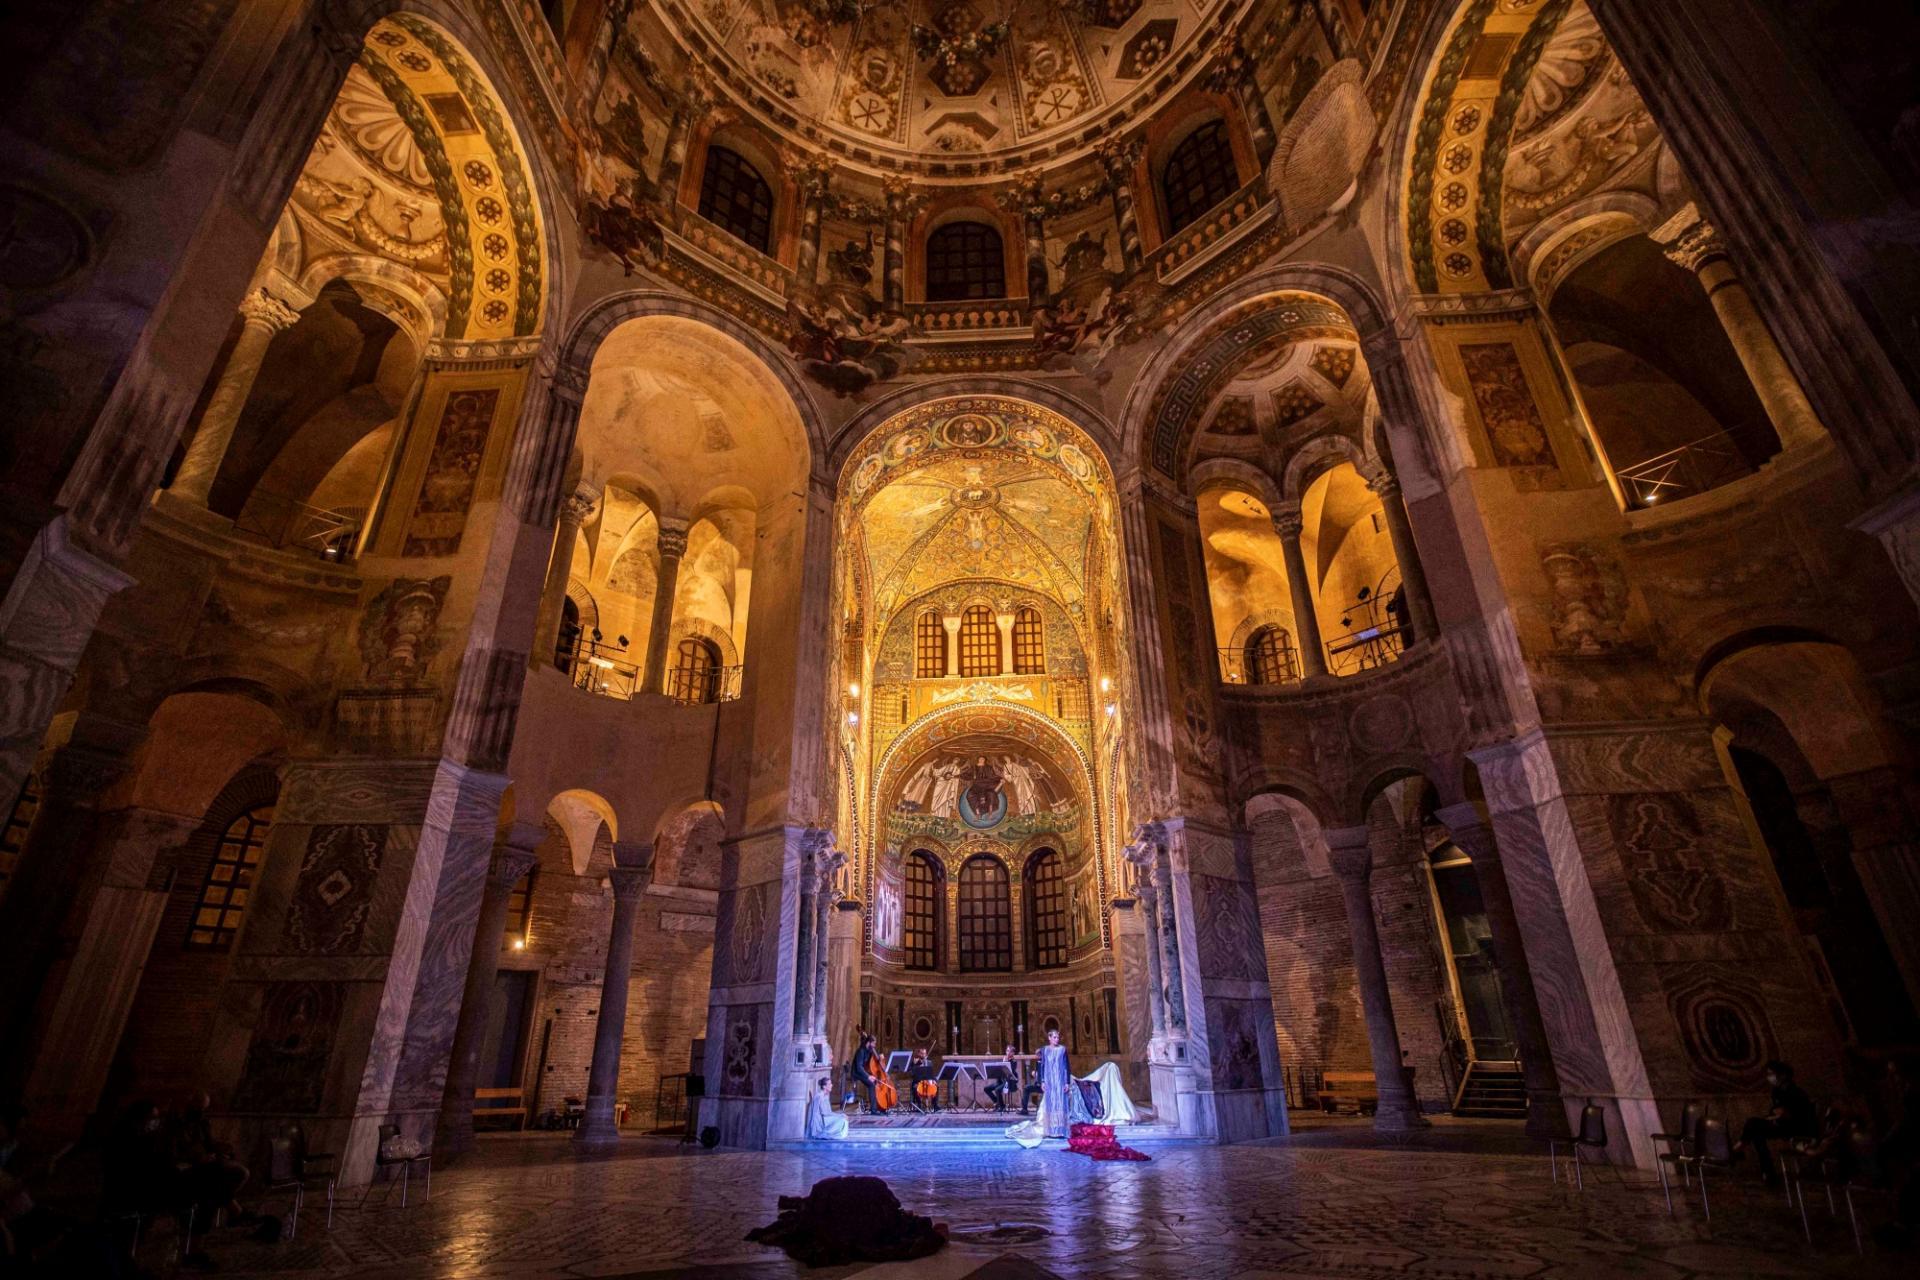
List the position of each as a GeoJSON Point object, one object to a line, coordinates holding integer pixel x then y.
{"type": "Point", "coordinates": [1096, 1140]}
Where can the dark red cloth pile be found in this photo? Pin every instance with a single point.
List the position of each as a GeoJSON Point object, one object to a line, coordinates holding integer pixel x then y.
{"type": "Point", "coordinates": [851, 1219]}
{"type": "Point", "coordinates": [1096, 1140]}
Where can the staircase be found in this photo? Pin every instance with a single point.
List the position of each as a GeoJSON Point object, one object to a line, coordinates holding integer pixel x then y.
{"type": "Point", "coordinates": [1492, 1091]}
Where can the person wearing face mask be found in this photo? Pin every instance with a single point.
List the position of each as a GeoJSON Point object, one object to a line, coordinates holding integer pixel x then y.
{"type": "Point", "coordinates": [1790, 1114]}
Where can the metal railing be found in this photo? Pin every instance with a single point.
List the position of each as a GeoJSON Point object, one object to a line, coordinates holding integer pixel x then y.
{"type": "Point", "coordinates": [602, 669]}
{"type": "Point", "coordinates": [286, 524]}
{"type": "Point", "coordinates": [1686, 470]}
{"type": "Point", "coordinates": [1279, 664]}
{"type": "Point", "coordinates": [1366, 648]}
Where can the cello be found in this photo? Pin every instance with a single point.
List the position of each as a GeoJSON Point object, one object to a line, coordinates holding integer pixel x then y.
{"type": "Point", "coordinates": [885, 1096]}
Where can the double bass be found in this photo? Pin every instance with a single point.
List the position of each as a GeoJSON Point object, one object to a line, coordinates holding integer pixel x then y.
{"type": "Point", "coordinates": [885, 1096]}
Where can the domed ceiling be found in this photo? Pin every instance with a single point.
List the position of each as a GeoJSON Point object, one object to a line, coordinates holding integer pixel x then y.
{"type": "Point", "coordinates": [951, 86]}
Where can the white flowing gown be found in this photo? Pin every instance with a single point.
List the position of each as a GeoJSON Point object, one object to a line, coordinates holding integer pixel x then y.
{"type": "Point", "coordinates": [1113, 1095]}
{"type": "Point", "coordinates": [823, 1122]}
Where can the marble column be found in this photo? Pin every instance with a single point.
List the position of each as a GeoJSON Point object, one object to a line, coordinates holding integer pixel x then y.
{"type": "Point", "coordinates": [1350, 850]}
{"type": "Point", "coordinates": [52, 886]}
{"type": "Point", "coordinates": [824, 900]}
{"type": "Point", "coordinates": [673, 545]}
{"type": "Point", "coordinates": [1005, 622]}
{"type": "Point", "coordinates": [1170, 942]}
{"type": "Point", "coordinates": [813, 196]}
{"type": "Point", "coordinates": [1234, 73]}
{"type": "Point", "coordinates": [1546, 1112]}
{"type": "Point", "coordinates": [893, 259]}
{"type": "Point", "coordinates": [574, 513]}
{"type": "Point", "coordinates": [1117, 161]}
{"type": "Point", "coordinates": [1413, 578]}
{"type": "Point", "coordinates": [512, 859]}
{"type": "Point", "coordinates": [806, 920]}
{"type": "Point", "coordinates": [262, 316]}
{"type": "Point", "coordinates": [1288, 523]}
{"type": "Point", "coordinates": [1694, 243]}
{"type": "Point", "coordinates": [99, 957]}
{"type": "Point", "coordinates": [951, 622]}
{"type": "Point", "coordinates": [633, 867]}
{"type": "Point", "coordinates": [673, 153]}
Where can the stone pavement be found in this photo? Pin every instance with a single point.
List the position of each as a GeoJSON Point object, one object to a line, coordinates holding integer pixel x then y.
{"type": "Point", "coordinates": [1334, 1201]}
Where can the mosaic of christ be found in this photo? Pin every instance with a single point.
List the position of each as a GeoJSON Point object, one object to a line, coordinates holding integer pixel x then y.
{"type": "Point", "coordinates": [982, 788]}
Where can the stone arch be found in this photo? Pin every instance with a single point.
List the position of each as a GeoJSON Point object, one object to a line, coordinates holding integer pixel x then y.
{"type": "Point", "coordinates": [874, 417]}
{"type": "Point", "coordinates": [1323, 451]}
{"type": "Point", "coordinates": [1233, 473]}
{"type": "Point", "coordinates": [1553, 247]}
{"type": "Point", "coordinates": [386, 275]}
{"type": "Point", "coordinates": [1167, 396]}
{"type": "Point", "coordinates": [580, 815]}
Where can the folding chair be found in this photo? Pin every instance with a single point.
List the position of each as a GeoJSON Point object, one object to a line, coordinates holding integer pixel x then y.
{"type": "Point", "coordinates": [1678, 1144]}
{"type": "Point", "coordinates": [1592, 1136]}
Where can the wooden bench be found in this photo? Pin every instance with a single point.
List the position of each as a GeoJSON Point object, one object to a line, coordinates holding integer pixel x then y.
{"type": "Point", "coordinates": [484, 1110]}
{"type": "Point", "coordinates": [1354, 1088]}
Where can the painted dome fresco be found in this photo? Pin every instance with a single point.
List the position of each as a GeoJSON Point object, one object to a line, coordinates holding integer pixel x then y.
{"type": "Point", "coordinates": [952, 86]}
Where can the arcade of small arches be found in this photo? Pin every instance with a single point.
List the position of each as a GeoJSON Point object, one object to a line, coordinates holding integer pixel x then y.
{"type": "Point", "coordinates": [1326, 561]}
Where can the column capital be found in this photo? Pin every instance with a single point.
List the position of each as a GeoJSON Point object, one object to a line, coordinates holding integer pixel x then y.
{"type": "Point", "coordinates": [1689, 239]}
{"type": "Point", "coordinates": [1469, 830]}
{"type": "Point", "coordinates": [673, 537]}
{"type": "Point", "coordinates": [261, 309]}
{"type": "Point", "coordinates": [578, 506]}
{"type": "Point", "coordinates": [1350, 851]}
{"type": "Point", "coordinates": [1288, 521]}
{"type": "Point", "coordinates": [1232, 64]}
{"type": "Point", "coordinates": [1117, 158]}
{"type": "Point", "coordinates": [509, 866]}
{"type": "Point", "coordinates": [1380, 481]}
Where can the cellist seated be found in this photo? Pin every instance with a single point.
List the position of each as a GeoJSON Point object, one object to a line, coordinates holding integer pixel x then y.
{"type": "Point", "coordinates": [866, 1069]}
{"type": "Point", "coordinates": [926, 1091]}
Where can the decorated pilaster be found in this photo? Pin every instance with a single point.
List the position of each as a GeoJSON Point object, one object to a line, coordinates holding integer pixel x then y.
{"type": "Point", "coordinates": [1026, 199]}
{"type": "Point", "coordinates": [893, 262]}
{"type": "Point", "coordinates": [814, 179]}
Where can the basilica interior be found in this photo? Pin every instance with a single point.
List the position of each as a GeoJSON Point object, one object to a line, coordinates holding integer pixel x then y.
{"type": "Point", "coordinates": [563, 560]}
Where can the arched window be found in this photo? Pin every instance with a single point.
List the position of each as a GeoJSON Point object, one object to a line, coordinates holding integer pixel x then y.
{"type": "Point", "coordinates": [986, 916]}
{"type": "Point", "coordinates": [735, 197]}
{"type": "Point", "coordinates": [1199, 175]}
{"type": "Point", "coordinates": [1270, 657]}
{"type": "Point", "coordinates": [1029, 644]}
{"type": "Point", "coordinates": [229, 882]}
{"type": "Point", "coordinates": [920, 925]}
{"type": "Point", "coordinates": [965, 260]}
{"type": "Point", "coordinates": [929, 646]}
{"type": "Point", "coordinates": [979, 642]}
{"type": "Point", "coordinates": [696, 671]}
{"type": "Point", "coordinates": [1047, 939]}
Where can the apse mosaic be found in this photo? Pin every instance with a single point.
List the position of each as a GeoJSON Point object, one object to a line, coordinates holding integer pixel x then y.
{"type": "Point", "coordinates": [985, 788]}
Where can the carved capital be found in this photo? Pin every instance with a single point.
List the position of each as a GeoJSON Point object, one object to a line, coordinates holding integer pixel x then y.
{"type": "Point", "coordinates": [1350, 852]}
{"type": "Point", "coordinates": [1689, 240]}
{"type": "Point", "coordinates": [1380, 481]}
{"type": "Point", "coordinates": [1469, 831]}
{"type": "Point", "coordinates": [261, 310]}
{"type": "Point", "coordinates": [579, 505]}
{"type": "Point", "coordinates": [1287, 520]}
{"type": "Point", "coordinates": [1117, 158]}
{"type": "Point", "coordinates": [1232, 65]}
{"type": "Point", "coordinates": [673, 539]}
{"type": "Point", "coordinates": [813, 176]}
{"type": "Point", "coordinates": [508, 867]}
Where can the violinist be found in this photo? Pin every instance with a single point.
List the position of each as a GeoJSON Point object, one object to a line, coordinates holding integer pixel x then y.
{"type": "Point", "coordinates": [866, 1069]}
{"type": "Point", "coordinates": [922, 1072]}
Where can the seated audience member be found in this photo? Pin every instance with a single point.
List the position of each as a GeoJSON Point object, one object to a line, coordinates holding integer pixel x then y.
{"type": "Point", "coordinates": [997, 1090]}
{"type": "Point", "coordinates": [210, 1176]}
{"type": "Point", "coordinates": [1790, 1115]}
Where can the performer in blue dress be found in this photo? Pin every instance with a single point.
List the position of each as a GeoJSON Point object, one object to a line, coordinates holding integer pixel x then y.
{"type": "Point", "coordinates": [1060, 1101]}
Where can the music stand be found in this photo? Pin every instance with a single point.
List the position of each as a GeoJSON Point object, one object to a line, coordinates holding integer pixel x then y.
{"type": "Point", "coordinates": [1000, 1073]}
{"type": "Point", "coordinates": [899, 1060]}
{"type": "Point", "coordinates": [949, 1075]}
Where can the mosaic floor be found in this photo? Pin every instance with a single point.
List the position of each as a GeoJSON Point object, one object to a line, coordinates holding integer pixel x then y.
{"type": "Point", "coordinates": [1331, 1202]}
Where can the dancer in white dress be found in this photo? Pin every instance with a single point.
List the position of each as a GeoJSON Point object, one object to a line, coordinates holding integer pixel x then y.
{"type": "Point", "coordinates": [823, 1122]}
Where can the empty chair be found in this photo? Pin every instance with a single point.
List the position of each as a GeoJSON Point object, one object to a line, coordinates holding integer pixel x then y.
{"type": "Point", "coordinates": [1678, 1144]}
{"type": "Point", "coordinates": [390, 1154]}
{"type": "Point", "coordinates": [1713, 1149]}
{"type": "Point", "coordinates": [1592, 1136]}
